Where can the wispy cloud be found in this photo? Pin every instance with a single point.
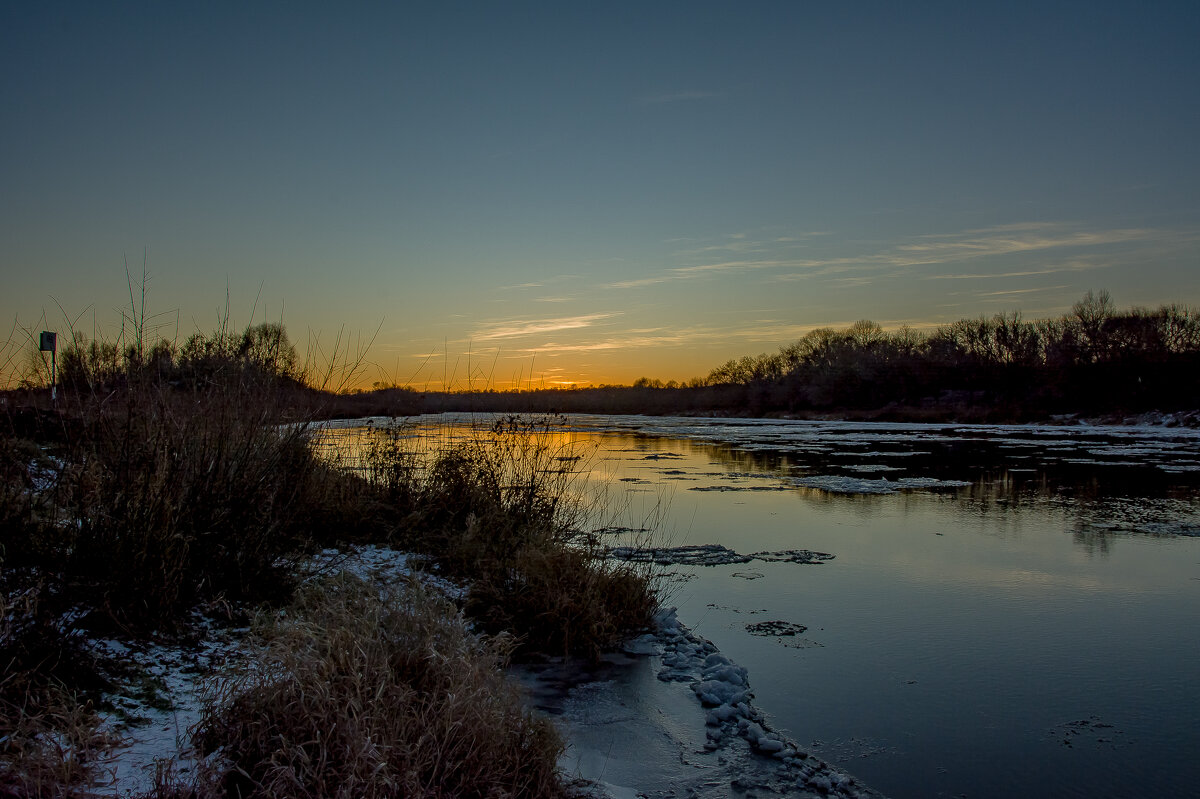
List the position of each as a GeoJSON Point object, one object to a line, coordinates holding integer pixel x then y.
{"type": "Point", "coordinates": [536, 284]}
{"type": "Point", "coordinates": [1011, 292]}
{"type": "Point", "coordinates": [744, 243]}
{"type": "Point", "coordinates": [1004, 241]}
{"type": "Point", "coordinates": [921, 251]}
{"type": "Point", "coordinates": [767, 331]}
{"type": "Point", "coordinates": [686, 272]}
{"type": "Point", "coordinates": [514, 328]}
{"type": "Point", "coordinates": [1075, 266]}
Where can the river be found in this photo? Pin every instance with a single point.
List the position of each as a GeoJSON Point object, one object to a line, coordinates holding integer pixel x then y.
{"type": "Point", "coordinates": [1008, 610]}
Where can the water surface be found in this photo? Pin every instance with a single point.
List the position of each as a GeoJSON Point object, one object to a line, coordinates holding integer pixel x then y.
{"type": "Point", "coordinates": [1011, 610]}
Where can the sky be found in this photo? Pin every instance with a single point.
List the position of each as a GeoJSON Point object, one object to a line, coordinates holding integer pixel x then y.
{"type": "Point", "coordinates": [543, 194]}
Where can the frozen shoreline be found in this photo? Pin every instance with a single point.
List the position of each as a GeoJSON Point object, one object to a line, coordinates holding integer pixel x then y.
{"type": "Point", "coordinates": [667, 716]}
{"type": "Point", "coordinates": [673, 716]}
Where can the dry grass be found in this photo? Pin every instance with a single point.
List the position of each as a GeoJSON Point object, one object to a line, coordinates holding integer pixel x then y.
{"type": "Point", "coordinates": [50, 744]}
{"type": "Point", "coordinates": [51, 747]}
{"type": "Point", "coordinates": [370, 694]}
{"type": "Point", "coordinates": [501, 510]}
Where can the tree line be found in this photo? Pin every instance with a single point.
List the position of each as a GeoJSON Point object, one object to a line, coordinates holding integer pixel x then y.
{"type": "Point", "coordinates": [1095, 358]}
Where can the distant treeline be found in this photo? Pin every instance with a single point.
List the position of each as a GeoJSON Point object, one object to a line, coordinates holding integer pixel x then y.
{"type": "Point", "coordinates": [1093, 360]}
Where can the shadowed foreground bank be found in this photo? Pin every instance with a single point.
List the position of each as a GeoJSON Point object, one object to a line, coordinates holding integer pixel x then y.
{"type": "Point", "coordinates": [164, 498]}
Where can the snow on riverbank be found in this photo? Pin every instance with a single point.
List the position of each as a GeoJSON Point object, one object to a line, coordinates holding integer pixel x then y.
{"type": "Point", "coordinates": [674, 713]}
{"type": "Point", "coordinates": [152, 721]}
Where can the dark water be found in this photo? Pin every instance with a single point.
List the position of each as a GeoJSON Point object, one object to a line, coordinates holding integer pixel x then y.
{"type": "Point", "coordinates": [1010, 610]}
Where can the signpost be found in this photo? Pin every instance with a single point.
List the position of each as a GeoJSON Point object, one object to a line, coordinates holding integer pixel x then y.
{"type": "Point", "coordinates": [49, 343]}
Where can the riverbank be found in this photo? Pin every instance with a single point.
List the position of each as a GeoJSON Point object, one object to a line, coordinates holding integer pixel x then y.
{"type": "Point", "coordinates": [631, 724]}
{"type": "Point", "coordinates": [143, 527]}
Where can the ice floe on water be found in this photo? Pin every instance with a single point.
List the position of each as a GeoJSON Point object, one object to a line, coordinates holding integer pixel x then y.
{"type": "Point", "coordinates": [1152, 516]}
{"type": "Point", "coordinates": [839, 484]}
{"type": "Point", "coordinates": [775, 628]}
{"type": "Point", "coordinates": [1091, 731]}
{"type": "Point", "coordinates": [711, 555]}
{"type": "Point", "coordinates": [723, 488]}
{"type": "Point", "coordinates": [692, 555]}
{"type": "Point", "coordinates": [1181, 467]}
{"type": "Point", "coordinates": [793, 556]}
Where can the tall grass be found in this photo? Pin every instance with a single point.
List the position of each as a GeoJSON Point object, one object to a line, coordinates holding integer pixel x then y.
{"type": "Point", "coordinates": [502, 510]}
{"type": "Point", "coordinates": [369, 692]}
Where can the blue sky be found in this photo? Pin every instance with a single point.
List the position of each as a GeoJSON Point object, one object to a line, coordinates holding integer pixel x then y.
{"type": "Point", "coordinates": [593, 192]}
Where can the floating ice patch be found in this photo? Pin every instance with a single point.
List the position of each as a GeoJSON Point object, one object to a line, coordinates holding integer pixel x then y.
{"type": "Point", "coordinates": [1159, 448]}
{"type": "Point", "coordinates": [931, 482]}
{"type": "Point", "coordinates": [1151, 528]}
{"type": "Point", "coordinates": [775, 628]}
{"type": "Point", "coordinates": [740, 488]}
{"type": "Point", "coordinates": [1090, 731]}
{"type": "Point", "coordinates": [871, 467]}
{"type": "Point", "coordinates": [793, 556]}
{"type": "Point", "coordinates": [837, 484]}
{"type": "Point", "coordinates": [1180, 468]}
{"type": "Point", "coordinates": [889, 454]}
{"type": "Point", "coordinates": [695, 555]}
{"type": "Point", "coordinates": [711, 555]}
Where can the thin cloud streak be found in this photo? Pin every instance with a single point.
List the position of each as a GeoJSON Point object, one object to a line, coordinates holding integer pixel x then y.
{"type": "Point", "coordinates": [1011, 292]}
{"type": "Point", "coordinates": [931, 250]}
{"type": "Point", "coordinates": [1075, 267]}
{"type": "Point", "coordinates": [528, 327]}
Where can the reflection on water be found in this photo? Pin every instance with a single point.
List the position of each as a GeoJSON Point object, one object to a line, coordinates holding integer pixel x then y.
{"type": "Point", "coordinates": [1024, 625]}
